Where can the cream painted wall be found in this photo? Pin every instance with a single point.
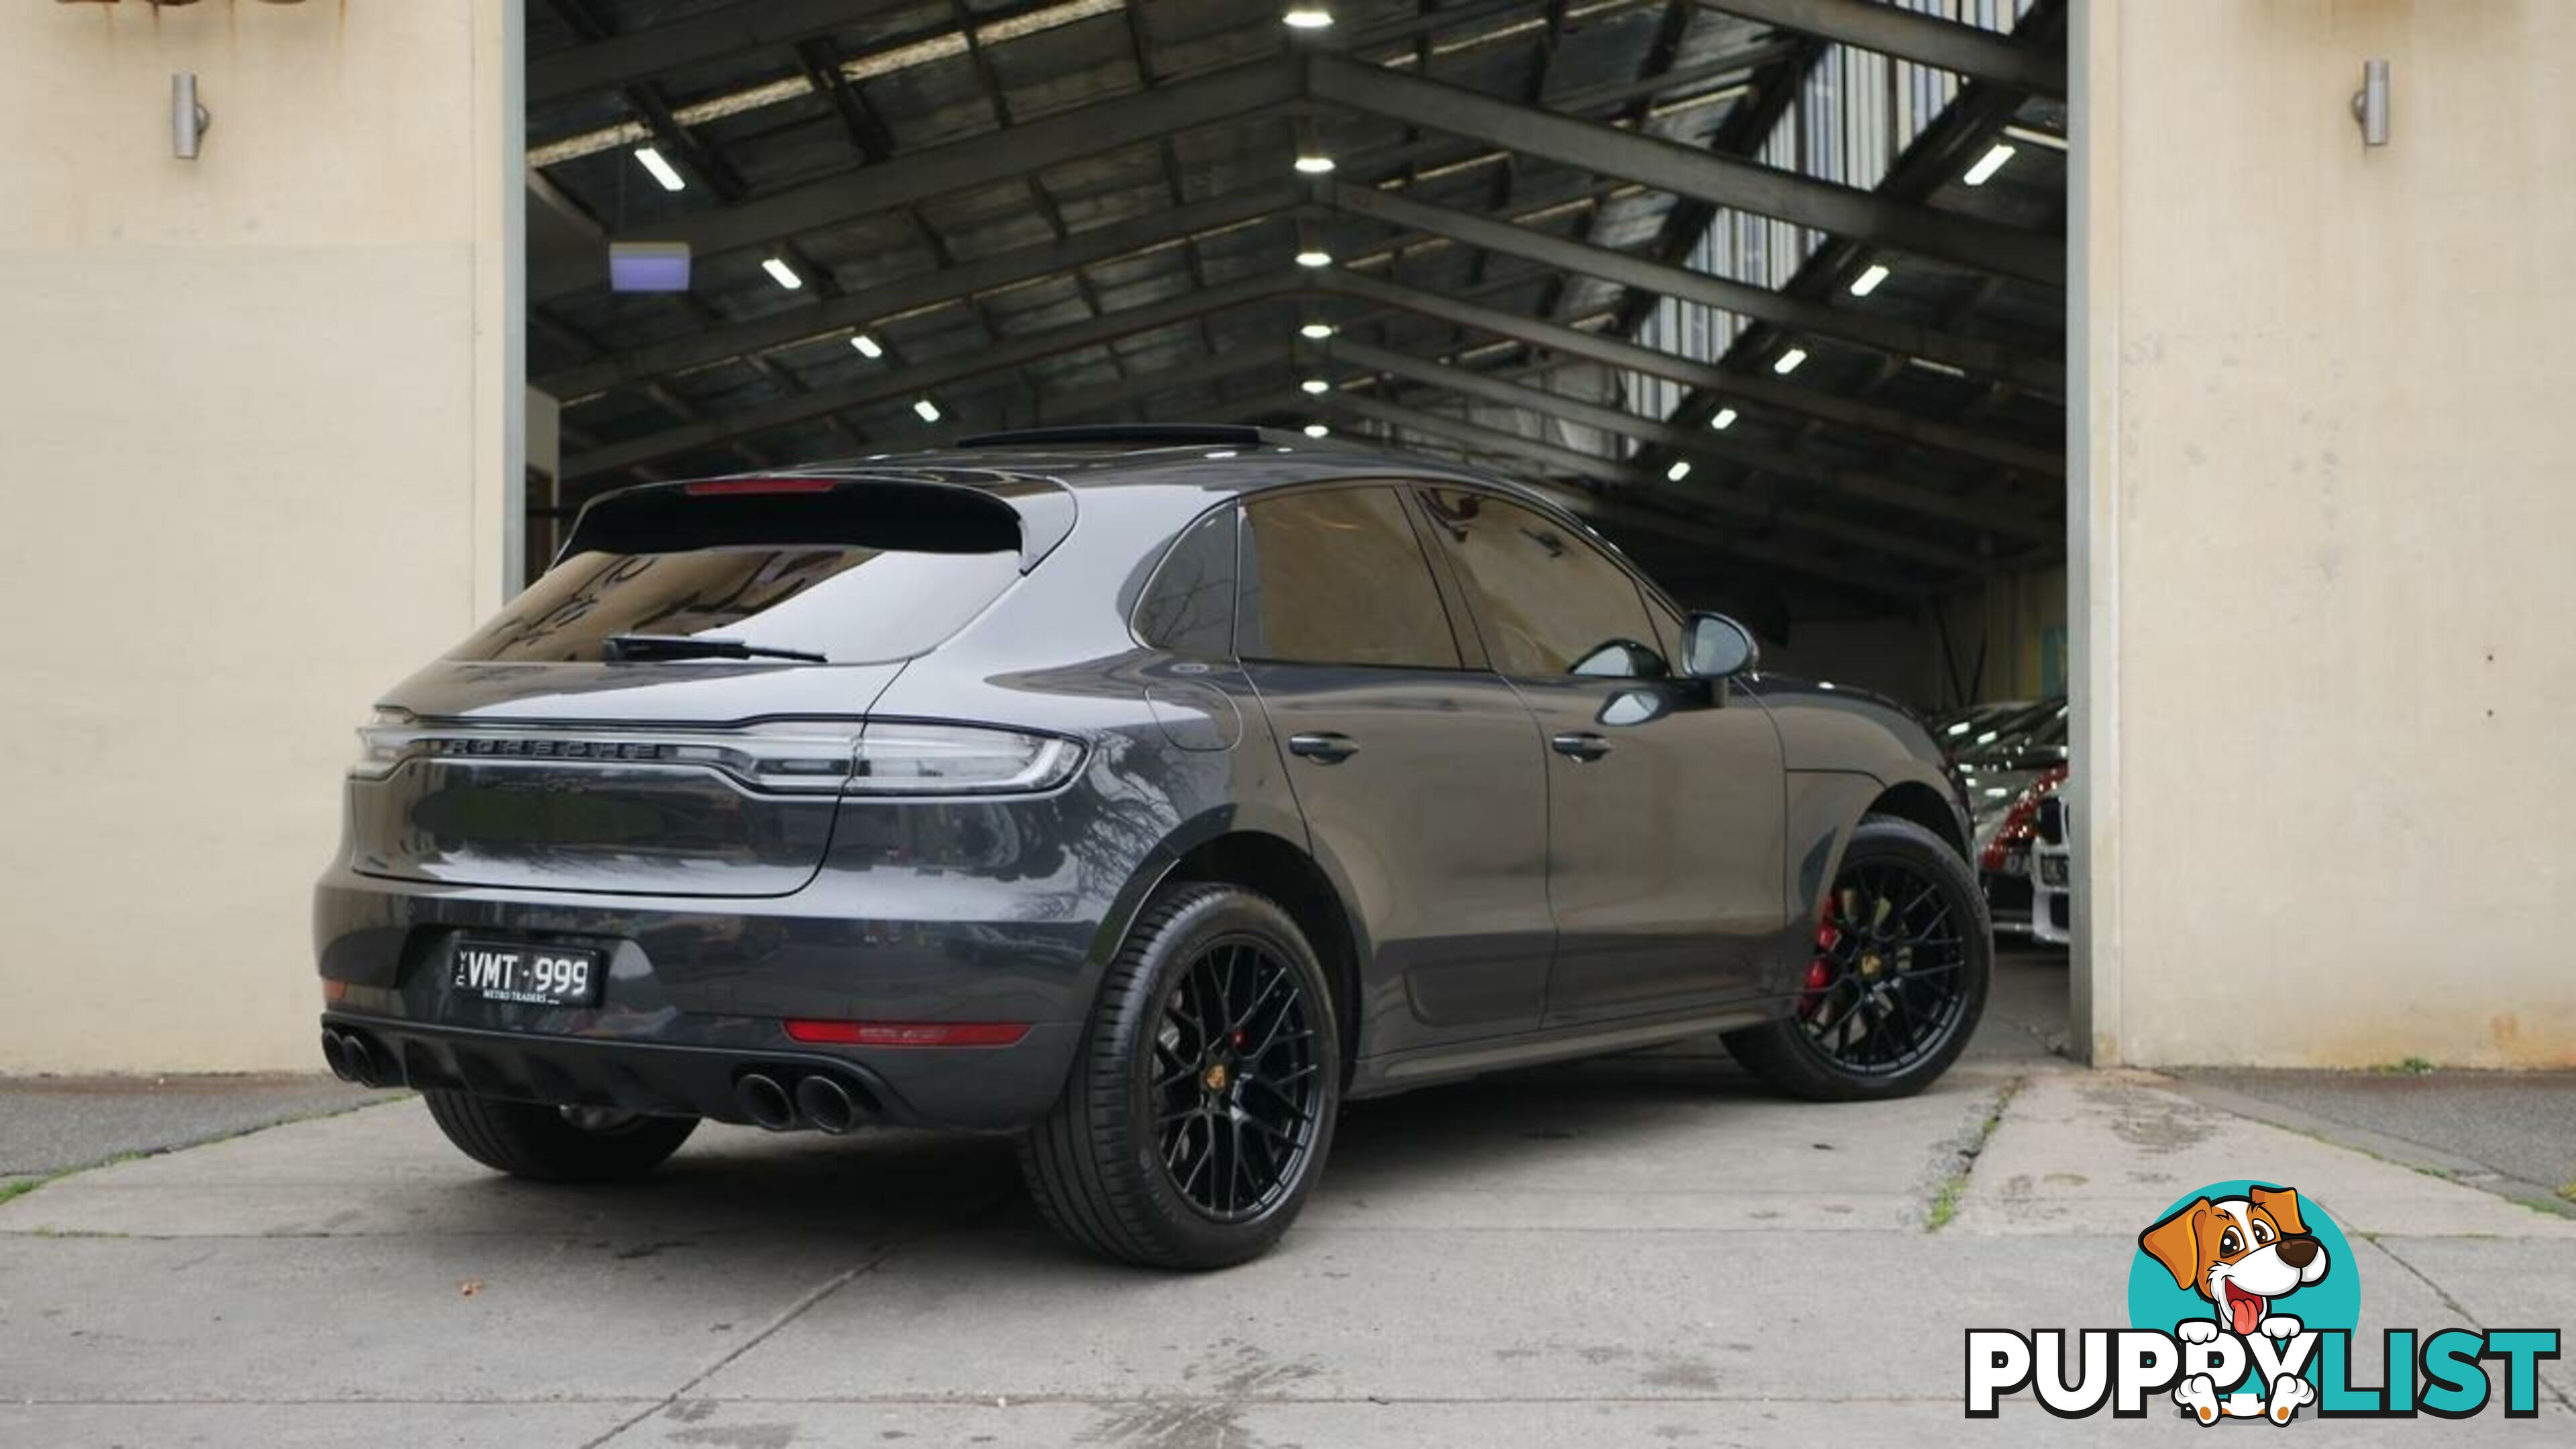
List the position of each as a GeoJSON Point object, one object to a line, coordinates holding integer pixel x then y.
{"type": "Point", "coordinates": [2321, 541]}
{"type": "Point", "coordinates": [258, 456]}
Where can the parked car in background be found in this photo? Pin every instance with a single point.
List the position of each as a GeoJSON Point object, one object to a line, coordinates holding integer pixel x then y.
{"type": "Point", "coordinates": [2052, 871]}
{"type": "Point", "coordinates": [1994, 763]}
{"type": "Point", "coordinates": [2005, 866]}
{"type": "Point", "coordinates": [1143, 793]}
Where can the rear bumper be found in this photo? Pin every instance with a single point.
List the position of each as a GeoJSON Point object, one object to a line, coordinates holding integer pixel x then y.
{"type": "Point", "coordinates": [973, 1087]}
{"type": "Point", "coordinates": [697, 992]}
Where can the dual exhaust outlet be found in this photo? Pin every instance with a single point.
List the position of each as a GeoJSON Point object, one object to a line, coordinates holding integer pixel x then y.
{"type": "Point", "coordinates": [813, 1100]}
{"type": "Point", "coordinates": [351, 1059]}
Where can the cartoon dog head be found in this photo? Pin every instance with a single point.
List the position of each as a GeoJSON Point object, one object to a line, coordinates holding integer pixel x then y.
{"type": "Point", "coordinates": [2240, 1253]}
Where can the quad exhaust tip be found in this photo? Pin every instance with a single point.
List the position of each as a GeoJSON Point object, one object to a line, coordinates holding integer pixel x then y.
{"type": "Point", "coordinates": [827, 1104]}
{"type": "Point", "coordinates": [352, 1060]}
{"type": "Point", "coordinates": [764, 1101]}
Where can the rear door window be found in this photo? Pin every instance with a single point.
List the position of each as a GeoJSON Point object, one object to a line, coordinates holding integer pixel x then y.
{"type": "Point", "coordinates": [858, 574]}
{"type": "Point", "coordinates": [1337, 576]}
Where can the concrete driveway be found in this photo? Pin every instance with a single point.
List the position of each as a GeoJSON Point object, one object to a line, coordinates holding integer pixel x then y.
{"type": "Point", "coordinates": [1638, 1251]}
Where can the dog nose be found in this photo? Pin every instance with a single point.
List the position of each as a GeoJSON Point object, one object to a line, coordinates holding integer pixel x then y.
{"type": "Point", "coordinates": [2299, 1252]}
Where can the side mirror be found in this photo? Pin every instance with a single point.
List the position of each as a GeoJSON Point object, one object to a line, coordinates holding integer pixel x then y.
{"type": "Point", "coordinates": [1716, 647]}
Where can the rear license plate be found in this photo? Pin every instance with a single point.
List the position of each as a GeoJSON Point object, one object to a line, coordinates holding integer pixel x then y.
{"type": "Point", "coordinates": [529, 974]}
{"type": "Point", "coordinates": [2052, 870]}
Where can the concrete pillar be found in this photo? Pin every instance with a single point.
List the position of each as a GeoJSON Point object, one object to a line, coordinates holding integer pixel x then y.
{"type": "Point", "coordinates": [2325, 497]}
{"type": "Point", "coordinates": [258, 462]}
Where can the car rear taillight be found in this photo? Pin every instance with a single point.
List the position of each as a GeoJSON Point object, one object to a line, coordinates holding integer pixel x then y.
{"type": "Point", "coordinates": [800, 757]}
{"type": "Point", "coordinates": [2020, 822]}
{"type": "Point", "coordinates": [908, 1033]}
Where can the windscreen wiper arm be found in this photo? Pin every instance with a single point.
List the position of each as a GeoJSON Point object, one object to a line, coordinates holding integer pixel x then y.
{"type": "Point", "coordinates": [622, 647]}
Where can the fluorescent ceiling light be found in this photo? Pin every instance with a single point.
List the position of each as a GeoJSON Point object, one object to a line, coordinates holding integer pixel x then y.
{"type": "Point", "coordinates": [1867, 282]}
{"type": "Point", "coordinates": [1987, 165]}
{"type": "Point", "coordinates": [867, 345]}
{"type": "Point", "coordinates": [1314, 165]}
{"type": "Point", "coordinates": [928, 410]}
{"type": "Point", "coordinates": [781, 273]}
{"type": "Point", "coordinates": [1724, 420]}
{"type": "Point", "coordinates": [1307, 17]}
{"type": "Point", "coordinates": [1316, 430]}
{"type": "Point", "coordinates": [1311, 258]}
{"type": "Point", "coordinates": [1678, 471]}
{"type": "Point", "coordinates": [1316, 331]}
{"type": "Point", "coordinates": [1316, 386]}
{"type": "Point", "coordinates": [652, 161]}
{"type": "Point", "coordinates": [1223, 453]}
{"type": "Point", "coordinates": [1789, 361]}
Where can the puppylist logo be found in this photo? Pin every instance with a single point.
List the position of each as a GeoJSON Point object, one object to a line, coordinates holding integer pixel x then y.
{"type": "Point", "coordinates": [2243, 1298]}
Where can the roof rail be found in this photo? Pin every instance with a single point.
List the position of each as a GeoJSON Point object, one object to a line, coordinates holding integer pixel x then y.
{"type": "Point", "coordinates": [1221, 435]}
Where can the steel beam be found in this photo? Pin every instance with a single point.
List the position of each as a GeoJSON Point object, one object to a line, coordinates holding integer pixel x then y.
{"type": "Point", "coordinates": [1619, 474]}
{"type": "Point", "coordinates": [1617, 352]}
{"type": "Point", "coordinates": [1882, 334]}
{"type": "Point", "coordinates": [983, 160]}
{"type": "Point", "coordinates": [2018, 523]}
{"type": "Point", "coordinates": [642, 55]}
{"type": "Point", "coordinates": [917, 381]}
{"type": "Point", "coordinates": [1084, 248]}
{"type": "Point", "coordinates": [1845, 211]}
{"type": "Point", "coordinates": [1563, 461]}
{"type": "Point", "coordinates": [1925, 39]}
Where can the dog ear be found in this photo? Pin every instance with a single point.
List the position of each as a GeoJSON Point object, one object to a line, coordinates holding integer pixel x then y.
{"type": "Point", "coordinates": [2283, 1204]}
{"type": "Point", "coordinates": [2175, 1242]}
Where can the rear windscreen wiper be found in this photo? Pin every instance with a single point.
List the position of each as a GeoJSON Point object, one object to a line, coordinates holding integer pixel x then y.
{"type": "Point", "coordinates": [622, 647]}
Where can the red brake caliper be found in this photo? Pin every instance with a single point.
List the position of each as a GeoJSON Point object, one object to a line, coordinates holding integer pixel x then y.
{"type": "Point", "coordinates": [1820, 971]}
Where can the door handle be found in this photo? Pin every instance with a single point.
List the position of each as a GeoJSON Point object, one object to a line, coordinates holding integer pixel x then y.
{"type": "Point", "coordinates": [1324, 747]}
{"type": "Point", "coordinates": [1582, 748]}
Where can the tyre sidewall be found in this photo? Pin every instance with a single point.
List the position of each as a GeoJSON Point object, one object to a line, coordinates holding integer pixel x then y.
{"type": "Point", "coordinates": [1138, 1015]}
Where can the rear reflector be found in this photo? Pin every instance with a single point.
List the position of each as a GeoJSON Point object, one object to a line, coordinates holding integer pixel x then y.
{"type": "Point", "coordinates": [909, 1033]}
{"type": "Point", "coordinates": [720, 486]}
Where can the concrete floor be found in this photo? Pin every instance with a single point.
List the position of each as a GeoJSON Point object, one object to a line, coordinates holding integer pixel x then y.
{"type": "Point", "coordinates": [1640, 1250]}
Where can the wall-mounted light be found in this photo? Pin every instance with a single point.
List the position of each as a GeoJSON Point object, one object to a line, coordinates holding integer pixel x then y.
{"type": "Point", "coordinates": [2370, 103]}
{"type": "Point", "coordinates": [188, 120]}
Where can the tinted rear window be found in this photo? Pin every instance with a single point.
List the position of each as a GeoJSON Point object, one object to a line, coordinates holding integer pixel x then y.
{"type": "Point", "coordinates": [858, 575]}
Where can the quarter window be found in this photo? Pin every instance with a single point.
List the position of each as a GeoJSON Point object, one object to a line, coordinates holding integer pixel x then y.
{"type": "Point", "coordinates": [1337, 576]}
{"type": "Point", "coordinates": [1189, 607]}
{"type": "Point", "coordinates": [1547, 600]}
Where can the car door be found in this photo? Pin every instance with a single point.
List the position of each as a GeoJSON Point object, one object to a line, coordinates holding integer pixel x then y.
{"type": "Point", "coordinates": [1665, 795]}
{"type": "Point", "coordinates": [1423, 783]}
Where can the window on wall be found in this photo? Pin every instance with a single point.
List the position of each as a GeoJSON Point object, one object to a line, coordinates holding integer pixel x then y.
{"type": "Point", "coordinates": [1337, 576]}
{"type": "Point", "coordinates": [1547, 600]}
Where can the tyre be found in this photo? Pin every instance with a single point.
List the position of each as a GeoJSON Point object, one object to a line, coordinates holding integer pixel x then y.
{"type": "Point", "coordinates": [1903, 950]}
{"type": "Point", "coordinates": [555, 1144]}
{"type": "Point", "coordinates": [1201, 1102]}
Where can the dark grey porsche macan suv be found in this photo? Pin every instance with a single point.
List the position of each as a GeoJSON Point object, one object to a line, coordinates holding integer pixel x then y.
{"type": "Point", "coordinates": [1145, 792]}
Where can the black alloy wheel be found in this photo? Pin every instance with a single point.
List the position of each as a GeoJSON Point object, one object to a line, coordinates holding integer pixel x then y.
{"type": "Point", "coordinates": [1236, 1083]}
{"type": "Point", "coordinates": [1895, 980]}
{"type": "Point", "coordinates": [1202, 1098]}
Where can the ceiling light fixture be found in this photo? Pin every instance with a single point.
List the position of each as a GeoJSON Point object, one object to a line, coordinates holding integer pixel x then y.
{"type": "Point", "coordinates": [1316, 386]}
{"type": "Point", "coordinates": [1308, 17]}
{"type": "Point", "coordinates": [781, 273]}
{"type": "Point", "coordinates": [1314, 257]}
{"type": "Point", "coordinates": [1987, 165]}
{"type": "Point", "coordinates": [928, 410]}
{"type": "Point", "coordinates": [1316, 331]}
{"type": "Point", "coordinates": [867, 345]}
{"type": "Point", "coordinates": [1789, 361]}
{"type": "Point", "coordinates": [1318, 430]}
{"type": "Point", "coordinates": [1867, 282]}
{"type": "Point", "coordinates": [662, 170]}
{"type": "Point", "coordinates": [1312, 165]}
{"type": "Point", "coordinates": [1724, 420]}
{"type": "Point", "coordinates": [1678, 471]}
